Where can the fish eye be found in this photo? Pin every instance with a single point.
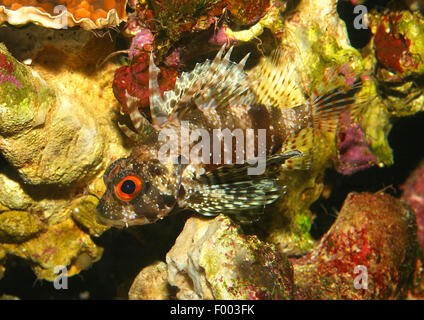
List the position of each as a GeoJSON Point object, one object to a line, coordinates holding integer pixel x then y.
{"type": "Point", "coordinates": [128, 188]}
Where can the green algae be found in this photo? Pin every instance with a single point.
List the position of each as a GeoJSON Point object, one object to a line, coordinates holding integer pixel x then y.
{"type": "Point", "coordinates": [21, 103]}
{"type": "Point", "coordinates": [84, 213]}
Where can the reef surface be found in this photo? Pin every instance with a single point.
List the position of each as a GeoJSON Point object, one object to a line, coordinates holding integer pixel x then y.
{"type": "Point", "coordinates": [63, 89]}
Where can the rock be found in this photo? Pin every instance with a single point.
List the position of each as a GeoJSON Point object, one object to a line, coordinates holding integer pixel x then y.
{"type": "Point", "coordinates": [8, 297]}
{"type": "Point", "coordinates": [36, 122]}
{"type": "Point", "coordinates": [2, 268]}
{"type": "Point", "coordinates": [151, 283]}
{"type": "Point", "coordinates": [63, 244]}
{"type": "Point", "coordinates": [82, 212]}
{"type": "Point", "coordinates": [56, 142]}
{"type": "Point", "coordinates": [374, 236]}
{"type": "Point", "coordinates": [247, 12]}
{"type": "Point", "coordinates": [17, 226]}
{"type": "Point", "coordinates": [211, 259]}
{"type": "Point", "coordinates": [58, 49]}
{"type": "Point", "coordinates": [12, 195]}
{"type": "Point", "coordinates": [413, 195]}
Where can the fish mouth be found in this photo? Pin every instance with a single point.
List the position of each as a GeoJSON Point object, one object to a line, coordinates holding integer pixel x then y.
{"type": "Point", "coordinates": [107, 219]}
{"type": "Point", "coordinates": [109, 222]}
{"type": "Point", "coordinates": [123, 223]}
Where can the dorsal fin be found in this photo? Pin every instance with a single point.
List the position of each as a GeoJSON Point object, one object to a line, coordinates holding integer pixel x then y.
{"type": "Point", "coordinates": [158, 109]}
{"type": "Point", "coordinates": [278, 81]}
{"type": "Point", "coordinates": [141, 124]}
{"type": "Point", "coordinates": [212, 84]}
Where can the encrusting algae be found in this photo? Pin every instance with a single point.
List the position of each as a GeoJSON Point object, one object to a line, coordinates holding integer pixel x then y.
{"type": "Point", "coordinates": [81, 137]}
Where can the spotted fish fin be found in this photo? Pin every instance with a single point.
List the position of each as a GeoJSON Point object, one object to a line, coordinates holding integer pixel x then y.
{"type": "Point", "coordinates": [211, 84]}
{"type": "Point", "coordinates": [328, 108]}
{"type": "Point", "coordinates": [159, 110]}
{"type": "Point", "coordinates": [141, 124]}
{"type": "Point", "coordinates": [326, 112]}
{"type": "Point", "coordinates": [278, 81]}
{"type": "Point", "coordinates": [304, 142]}
{"type": "Point", "coordinates": [232, 191]}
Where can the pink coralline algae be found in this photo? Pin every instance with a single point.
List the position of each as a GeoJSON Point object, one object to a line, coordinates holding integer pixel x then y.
{"type": "Point", "coordinates": [6, 69]}
{"type": "Point", "coordinates": [133, 79]}
{"type": "Point", "coordinates": [368, 253]}
{"type": "Point", "coordinates": [220, 37]}
{"type": "Point", "coordinates": [354, 154]}
{"type": "Point", "coordinates": [143, 41]}
{"type": "Point", "coordinates": [392, 48]}
{"type": "Point", "coordinates": [413, 194]}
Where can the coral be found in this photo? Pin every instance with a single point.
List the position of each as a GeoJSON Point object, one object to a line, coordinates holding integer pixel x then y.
{"type": "Point", "coordinates": [396, 41]}
{"type": "Point", "coordinates": [396, 59]}
{"type": "Point", "coordinates": [413, 195]}
{"type": "Point", "coordinates": [58, 49]}
{"type": "Point", "coordinates": [177, 16]}
{"type": "Point", "coordinates": [374, 231]}
{"type": "Point", "coordinates": [133, 80]}
{"type": "Point", "coordinates": [62, 14]}
{"type": "Point", "coordinates": [247, 12]}
{"type": "Point", "coordinates": [151, 283]}
{"type": "Point", "coordinates": [211, 259]}
{"type": "Point", "coordinates": [56, 142]}
{"type": "Point", "coordinates": [62, 244]}
{"type": "Point", "coordinates": [271, 20]}
{"type": "Point", "coordinates": [354, 153]}
{"type": "Point", "coordinates": [400, 67]}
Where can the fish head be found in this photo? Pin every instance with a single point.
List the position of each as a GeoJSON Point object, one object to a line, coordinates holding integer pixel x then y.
{"type": "Point", "coordinates": [140, 190]}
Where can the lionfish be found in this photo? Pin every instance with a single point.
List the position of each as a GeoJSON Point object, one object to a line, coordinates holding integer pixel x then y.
{"type": "Point", "coordinates": [217, 94]}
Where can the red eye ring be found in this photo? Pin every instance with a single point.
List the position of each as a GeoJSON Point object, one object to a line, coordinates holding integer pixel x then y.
{"type": "Point", "coordinates": [128, 188]}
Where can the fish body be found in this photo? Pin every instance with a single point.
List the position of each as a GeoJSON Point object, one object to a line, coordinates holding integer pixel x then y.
{"type": "Point", "coordinates": [217, 143]}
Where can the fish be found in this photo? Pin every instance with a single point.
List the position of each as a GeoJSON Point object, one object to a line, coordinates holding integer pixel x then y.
{"type": "Point", "coordinates": [182, 160]}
